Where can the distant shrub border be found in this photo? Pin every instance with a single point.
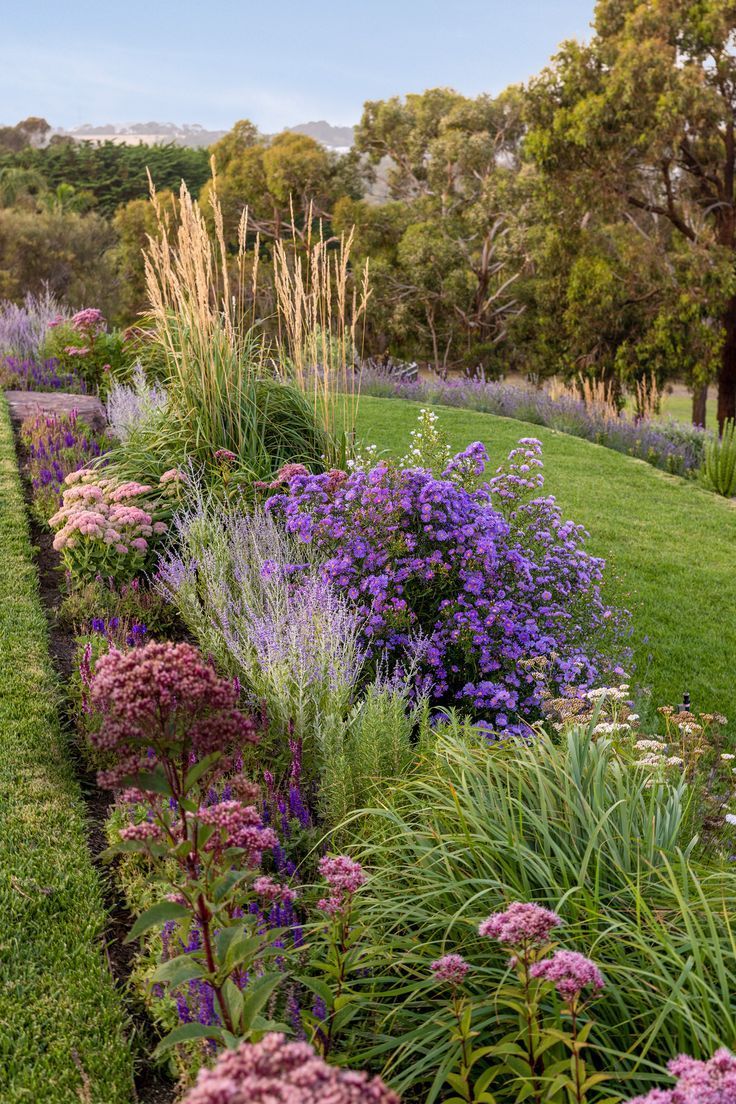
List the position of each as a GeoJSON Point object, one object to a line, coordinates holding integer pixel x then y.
{"type": "Point", "coordinates": [669, 445]}
{"type": "Point", "coordinates": [62, 1034]}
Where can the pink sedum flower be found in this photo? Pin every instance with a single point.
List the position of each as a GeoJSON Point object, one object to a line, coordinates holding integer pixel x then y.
{"type": "Point", "coordinates": [275, 1071]}
{"type": "Point", "coordinates": [520, 924]}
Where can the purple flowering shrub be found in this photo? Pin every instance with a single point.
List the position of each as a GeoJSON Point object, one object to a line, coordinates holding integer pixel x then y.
{"type": "Point", "coordinates": [477, 582]}
{"type": "Point", "coordinates": [56, 444]}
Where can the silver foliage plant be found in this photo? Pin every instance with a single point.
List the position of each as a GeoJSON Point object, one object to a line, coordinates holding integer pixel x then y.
{"type": "Point", "coordinates": [291, 639]}
{"type": "Point", "coordinates": [134, 404]}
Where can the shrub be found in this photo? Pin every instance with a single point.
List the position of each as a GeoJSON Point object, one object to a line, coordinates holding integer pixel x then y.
{"type": "Point", "coordinates": [83, 345]}
{"type": "Point", "coordinates": [291, 641]}
{"type": "Point", "coordinates": [720, 461]}
{"type": "Point", "coordinates": [477, 583]}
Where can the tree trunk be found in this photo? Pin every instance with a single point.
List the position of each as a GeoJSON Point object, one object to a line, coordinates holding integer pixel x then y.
{"type": "Point", "coordinates": [700, 400]}
{"type": "Point", "coordinates": [727, 371]}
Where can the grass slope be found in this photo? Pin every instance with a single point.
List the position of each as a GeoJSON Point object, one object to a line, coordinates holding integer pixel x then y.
{"type": "Point", "coordinates": [670, 545]}
{"type": "Point", "coordinates": [61, 1023]}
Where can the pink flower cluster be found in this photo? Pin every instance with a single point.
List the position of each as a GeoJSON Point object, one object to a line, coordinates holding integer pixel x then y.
{"type": "Point", "coordinates": [451, 969]}
{"type": "Point", "coordinates": [572, 973]}
{"type": "Point", "coordinates": [344, 876]}
{"type": "Point", "coordinates": [711, 1082]}
{"type": "Point", "coordinates": [142, 832]}
{"type": "Point", "coordinates": [165, 700]}
{"type": "Point", "coordinates": [101, 509]}
{"type": "Point", "coordinates": [239, 826]}
{"type": "Point", "coordinates": [270, 890]}
{"type": "Point", "coordinates": [88, 319]}
{"type": "Point", "coordinates": [520, 925]}
{"type": "Point", "coordinates": [275, 1071]}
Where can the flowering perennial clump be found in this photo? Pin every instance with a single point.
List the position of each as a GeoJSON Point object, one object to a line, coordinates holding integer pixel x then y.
{"type": "Point", "coordinates": [485, 578]}
{"type": "Point", "coordinates": [164, 701]}
{"type": "Point", "coordinates": [107, 527]}
{"type": "Point", "coordinates": [275, 1071]}
{"type": "Point", "coordinates": [711, 1082]}
{"type": "Point", "coordinates": [56, 444]}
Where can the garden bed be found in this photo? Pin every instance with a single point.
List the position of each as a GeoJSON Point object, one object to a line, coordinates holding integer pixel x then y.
{"type": "Point", "coordinates": [63, 1022]}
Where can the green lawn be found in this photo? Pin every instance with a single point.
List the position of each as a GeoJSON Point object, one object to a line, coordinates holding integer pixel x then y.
{"type": "Point", "coordinates": [61, 1023]}
{"type": "Point", "coordinates": [670, 545]}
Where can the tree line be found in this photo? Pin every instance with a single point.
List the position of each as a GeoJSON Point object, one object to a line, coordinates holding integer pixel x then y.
{"type": "Point", "coordinates": [584, 223]}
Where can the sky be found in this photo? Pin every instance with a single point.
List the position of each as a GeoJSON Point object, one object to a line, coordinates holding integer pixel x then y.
{"type": "Point", "coordinates": [277, 62]}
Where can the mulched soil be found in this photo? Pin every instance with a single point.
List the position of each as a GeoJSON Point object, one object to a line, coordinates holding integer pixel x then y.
{"type": "Point", "coordinates": [152, 1086]}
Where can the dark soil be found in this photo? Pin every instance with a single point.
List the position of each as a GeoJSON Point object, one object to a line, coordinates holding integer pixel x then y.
{"type": "Point", "coordinates": [152, 1086]}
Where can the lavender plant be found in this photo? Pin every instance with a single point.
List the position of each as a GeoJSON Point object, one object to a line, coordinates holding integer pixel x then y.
{"type": "Point", "coordinates": [666, 444]}
{"type": "Point", "coordinates": [289, 635]}
{"type": "Point", "coordinates": [23, 327]}
{"type": "Point", "coordinates": [131, 404]}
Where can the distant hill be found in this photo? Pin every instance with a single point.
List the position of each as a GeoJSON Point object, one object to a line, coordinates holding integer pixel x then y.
{"type": "Point", "coordinates": [334, 137]}
{"type": "Point", "coordinates": [192, 134]}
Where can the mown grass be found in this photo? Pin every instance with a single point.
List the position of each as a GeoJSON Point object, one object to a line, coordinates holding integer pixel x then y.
{"type": "Point", "coordinates": [61, 1022]}
{"type": "Point", "coordinates": [669, 545]}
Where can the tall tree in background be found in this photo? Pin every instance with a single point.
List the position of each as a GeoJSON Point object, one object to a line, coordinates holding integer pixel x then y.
{"type": "Point", "coordinates": [642, 122]}
{"type": "Point", "coordinates": [283, 181]}
{"type": "Point", "coordinates": [444, 270]}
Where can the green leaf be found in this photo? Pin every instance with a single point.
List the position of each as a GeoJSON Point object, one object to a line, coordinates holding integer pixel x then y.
{"type": "Point", "coordinates": [178, 970]}
{"type": "Point", "coordinates": [233, 997]}
{"type": "Point", "coordinates": [155, 916]}
{"type": "Point", "coordinates": [195, 773]}
{"type": "Point", "coordinates": [155, 782]}
{"type": "Point", "coordinates": [257, 996]}
{"type": "Point", "coordinates": [185, 1034]}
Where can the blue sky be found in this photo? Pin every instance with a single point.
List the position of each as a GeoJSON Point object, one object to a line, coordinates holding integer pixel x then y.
{"type": "Point", "coordinates": [278, 63]}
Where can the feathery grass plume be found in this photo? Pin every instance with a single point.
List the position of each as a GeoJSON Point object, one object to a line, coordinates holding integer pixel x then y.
{"type": "Point", "coordinates": [647, 397]}
{"type": "Point", "coordinates": [222, 394]}
{"type": "Point", "coordinates": [320, 308]}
